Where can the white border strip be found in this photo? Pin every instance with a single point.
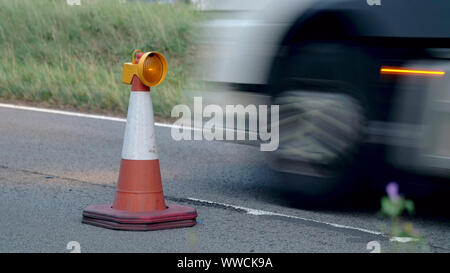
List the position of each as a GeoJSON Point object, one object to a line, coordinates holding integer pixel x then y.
{"type": "Point", "coordinates": [101, 117]}
{"type": "Point", "coordinates": [263, 212]}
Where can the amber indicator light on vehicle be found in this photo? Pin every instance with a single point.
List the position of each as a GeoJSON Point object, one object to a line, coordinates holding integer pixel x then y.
{"type": "Point", "coordinates": [409, 71]}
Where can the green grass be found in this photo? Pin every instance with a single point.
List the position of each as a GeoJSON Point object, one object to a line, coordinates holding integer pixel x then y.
{"type": "Point", "coordinates": [72, 56]}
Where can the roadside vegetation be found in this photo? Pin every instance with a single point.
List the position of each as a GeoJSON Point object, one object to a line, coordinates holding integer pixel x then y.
{"type": "Point", "coordinates": [71, 56]}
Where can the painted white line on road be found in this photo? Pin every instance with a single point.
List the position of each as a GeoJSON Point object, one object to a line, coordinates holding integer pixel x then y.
{"type": "Point", "coordinates": [403, 239]}
{"type": "Point", "coordinates": [101, 117]}
{"type": "Point", "coordinates": [60, 112]}
{"type": "Point", "coordinates": [263, 212]}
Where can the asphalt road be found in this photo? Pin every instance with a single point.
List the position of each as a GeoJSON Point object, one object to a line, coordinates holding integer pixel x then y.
{"type": "Point", "coordinates": [52, 166]}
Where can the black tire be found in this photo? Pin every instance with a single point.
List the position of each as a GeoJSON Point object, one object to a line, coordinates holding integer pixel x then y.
{"type": "Point", "coordinates": [324, 109]}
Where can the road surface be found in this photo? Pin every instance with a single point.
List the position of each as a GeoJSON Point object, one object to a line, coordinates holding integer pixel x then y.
{"type": "Point", "coordinates": [53, 165]}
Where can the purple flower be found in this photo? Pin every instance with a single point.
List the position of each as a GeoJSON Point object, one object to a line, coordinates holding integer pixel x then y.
{"type": "Point", "coordinates": [392, 191]}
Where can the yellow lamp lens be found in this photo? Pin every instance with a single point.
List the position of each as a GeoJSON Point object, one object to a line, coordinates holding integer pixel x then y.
{"type": "Point", "coordinates": [153, 69]}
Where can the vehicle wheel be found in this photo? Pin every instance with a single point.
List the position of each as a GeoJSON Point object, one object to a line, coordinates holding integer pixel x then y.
{"type": "Point", "coordinates": [323, 115]}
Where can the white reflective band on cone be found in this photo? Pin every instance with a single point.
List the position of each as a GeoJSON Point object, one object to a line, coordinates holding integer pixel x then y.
{"type": "Point", "coordinates": [139, 142]}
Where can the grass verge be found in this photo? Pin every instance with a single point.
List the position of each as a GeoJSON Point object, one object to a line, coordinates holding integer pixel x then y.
{"type": "Point", "coordinates": [71, 56]}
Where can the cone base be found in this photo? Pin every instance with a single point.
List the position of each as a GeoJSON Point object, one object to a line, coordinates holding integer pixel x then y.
{"type": "Point", "coordinates": [175, 216]}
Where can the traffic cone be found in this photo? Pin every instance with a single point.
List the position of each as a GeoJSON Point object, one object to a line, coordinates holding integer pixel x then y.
{"type": "Point", "coordinates": [139, 202]}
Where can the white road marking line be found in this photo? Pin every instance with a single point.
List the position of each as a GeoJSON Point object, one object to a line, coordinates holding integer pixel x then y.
{"type": "Point", "coordinates": [102, 117]}
{"type": "Point", "coordinates": [263, 212]}
{"type": "Point", "coordinates": [403, 239]}
{"type": "Point", "coordinates": [60, 112]}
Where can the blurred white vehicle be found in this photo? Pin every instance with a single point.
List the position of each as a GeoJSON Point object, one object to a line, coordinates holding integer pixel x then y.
{"type": "Point", "coordinates": [363, 88]}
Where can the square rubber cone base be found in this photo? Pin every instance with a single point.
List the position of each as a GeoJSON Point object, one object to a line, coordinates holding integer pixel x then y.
{"type": "Point", "coordinates": [174, 216]}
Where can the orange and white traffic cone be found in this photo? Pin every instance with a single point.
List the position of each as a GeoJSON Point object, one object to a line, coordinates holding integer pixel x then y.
{"type": "Point", "coordinates": [139, 202]}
